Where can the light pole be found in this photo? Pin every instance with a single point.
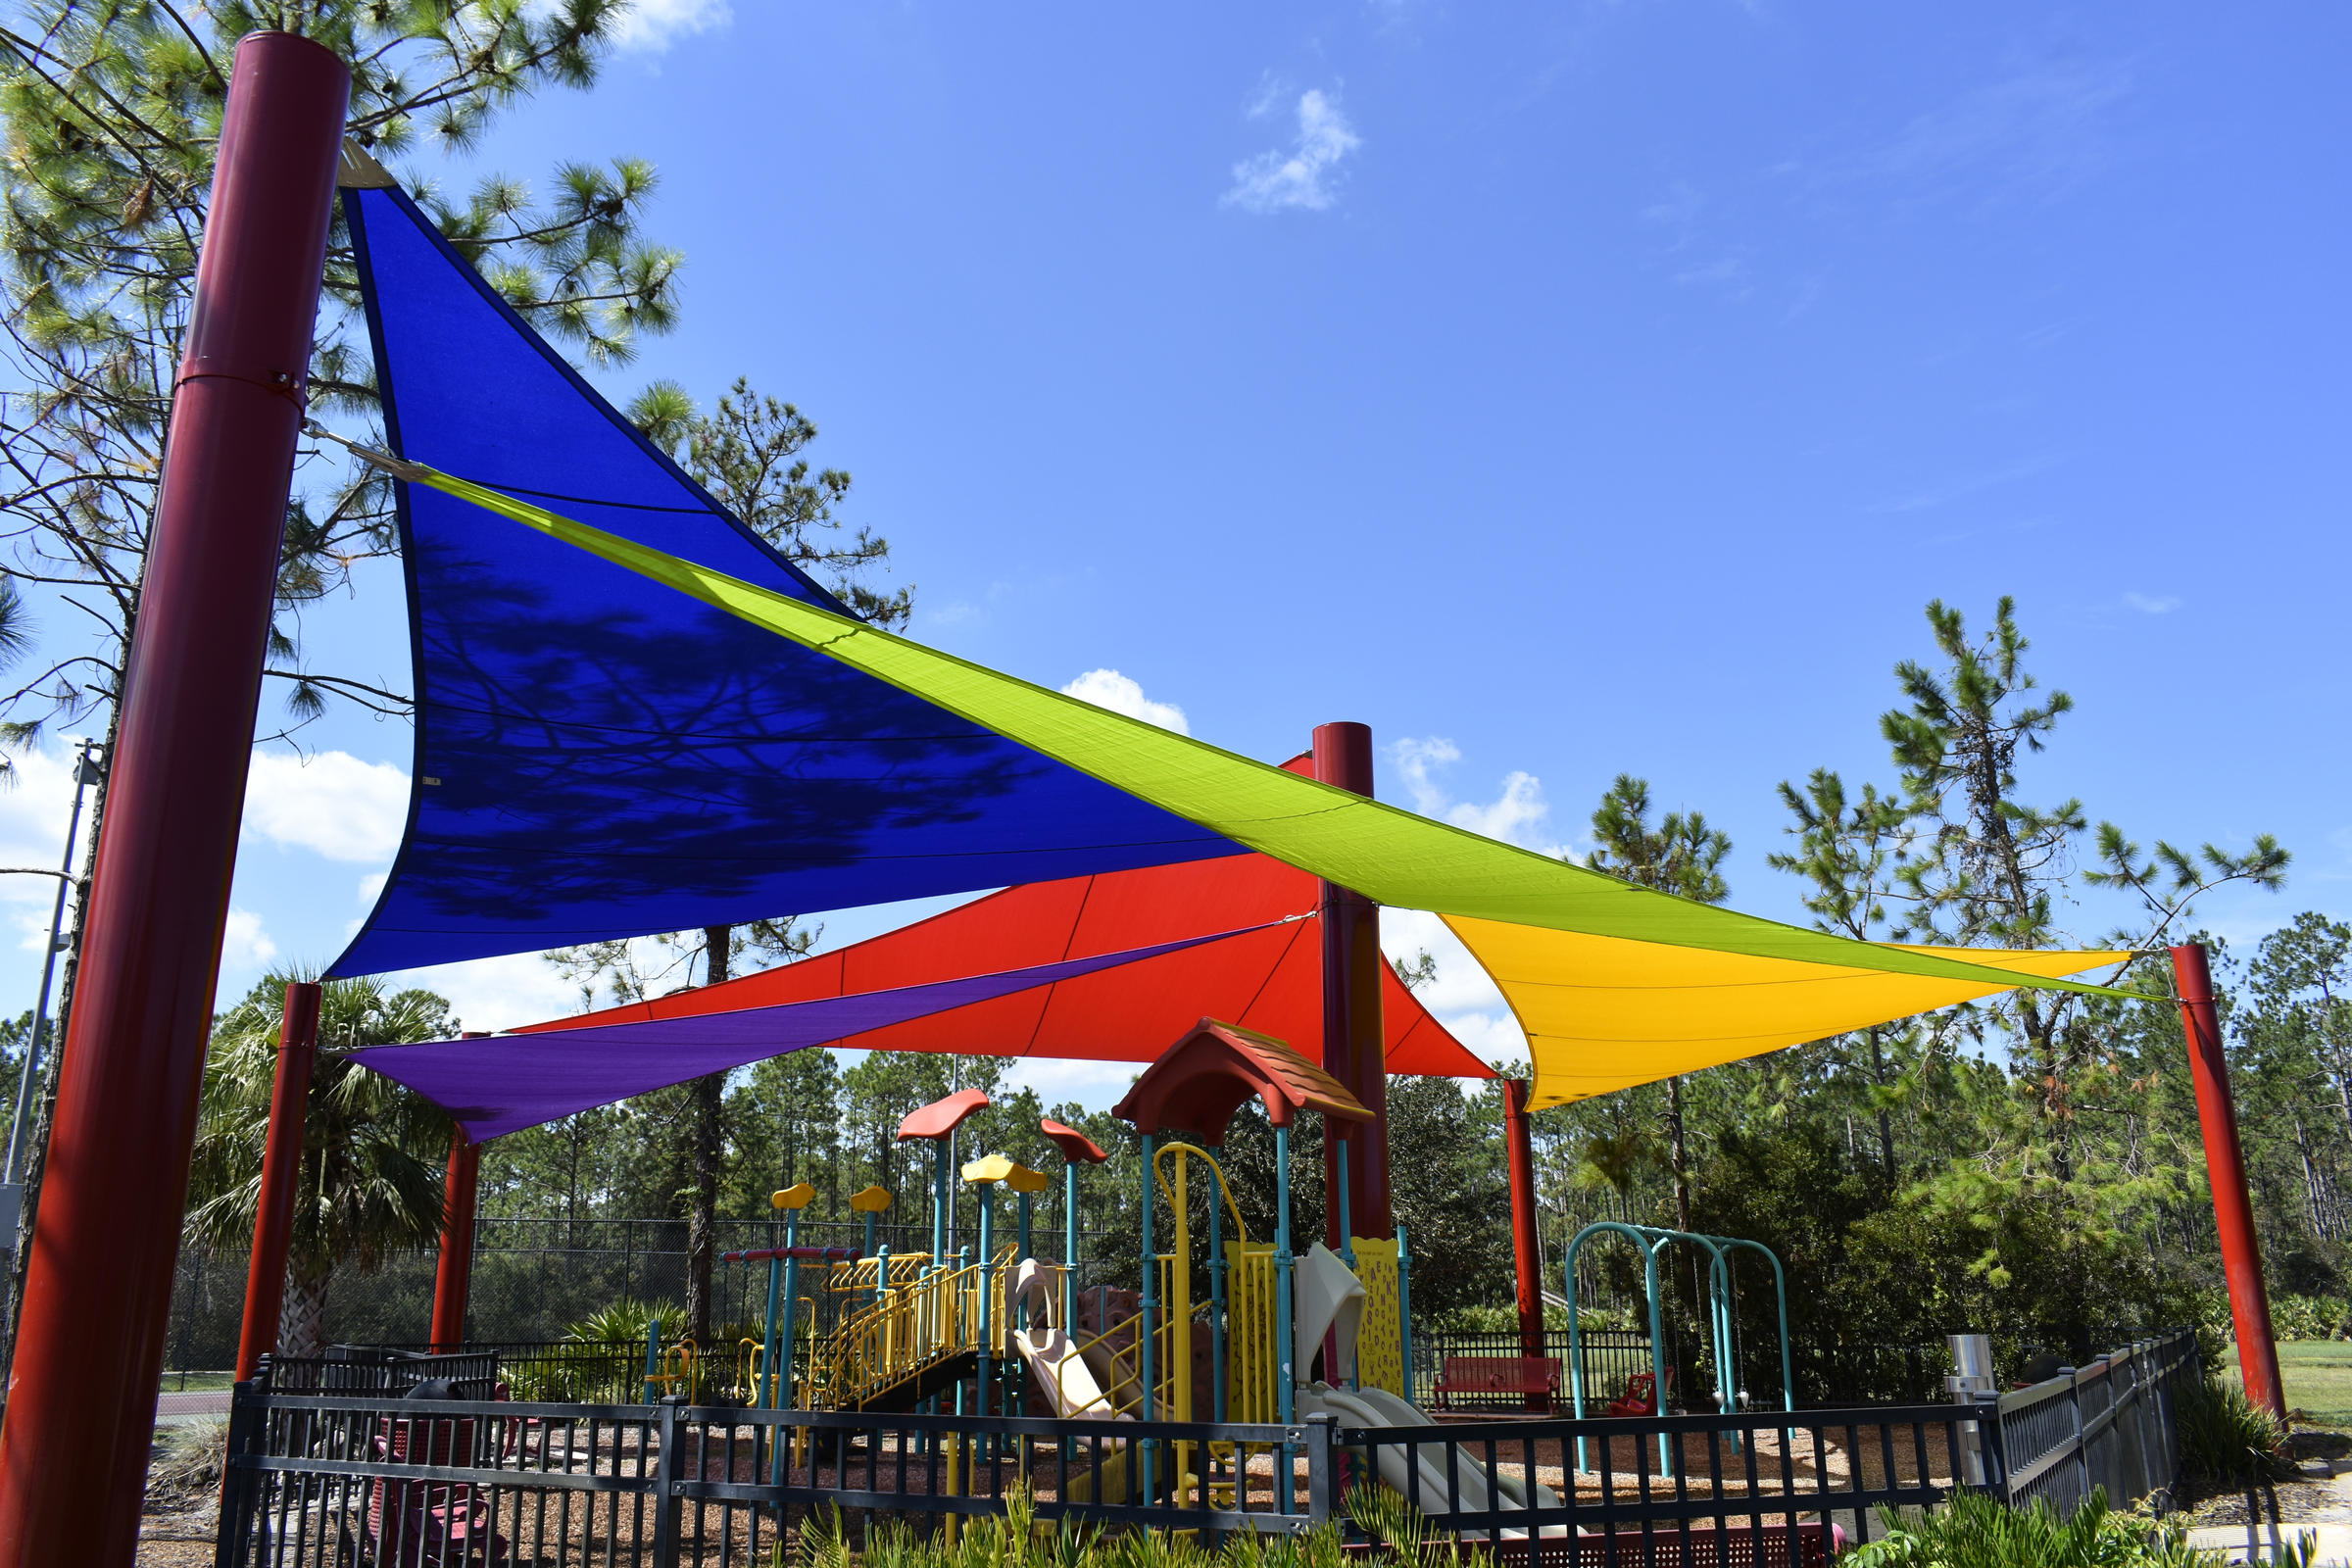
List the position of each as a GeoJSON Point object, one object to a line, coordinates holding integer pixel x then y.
{"type": "Point", "coordinates": [87, 769]}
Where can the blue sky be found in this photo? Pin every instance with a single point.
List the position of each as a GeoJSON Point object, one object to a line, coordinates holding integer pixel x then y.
{"type": "Point", "coordinates": [1559, 389]}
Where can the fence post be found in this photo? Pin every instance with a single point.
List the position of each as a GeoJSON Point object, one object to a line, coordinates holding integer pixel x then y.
{"type": "Point", "coordinates": [1989, 1444]}
{"type": "Point", "coordinates": [665, 1482]}
{"type": "Point", "coordinates": [1321, 1505]}
{"type": "Point", "coordinates": [2082, 1456]}
{"type": "Point", "coordinates": [247, 1416]}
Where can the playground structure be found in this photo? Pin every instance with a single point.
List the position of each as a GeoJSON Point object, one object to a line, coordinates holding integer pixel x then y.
{"type": "Point", "coordinates": [1220, 1326]}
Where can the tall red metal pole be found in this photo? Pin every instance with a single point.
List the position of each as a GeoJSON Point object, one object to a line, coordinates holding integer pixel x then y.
{"type": "Point", "coordinates": [282, 1174]}
{"type": "Point", "coordinates": [1354, 1047]}
{"type": "Point", "coordinates": [98, 1290]}
{"type": "Point", "coordinates": [2225, 1173]}
{"type": "Point", "coordinates": [452, 1281]}
{"type": "Point", "coordinates": [1520, 1147]}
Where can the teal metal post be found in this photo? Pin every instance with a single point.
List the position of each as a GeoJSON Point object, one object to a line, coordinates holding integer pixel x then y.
{"type": "Point", "coordinates": [792, 1300]}
{"type": "Point", "coordinates": [1404, 1312]}
{"type": "Point", "coordinates": [1069, 1248]}
{"type": "Point", "coordinates": [653, 1353]}
{"type": "Point", "coordinates": [1347, 1220]}
{"type": "Point", "coordinates": [1021, 1255]}
{"type": "Point", "coordinates": [1216, 1295]}
{"type": "Point", "coordinates": [768, 1342]}
{"type": "Point", "coordinates": [1286, 1394]}
{"type": "Point", "coordinates": [1150, 1299]}
{"type": "Point", "coordinates": [963, 1260]}
{"type": "Point", "coordinates": [941, 1194]}
{"type": "Point", "coordinates": [1657, 1337]}
{"type": "Point", "coordinates": [988, 1299]}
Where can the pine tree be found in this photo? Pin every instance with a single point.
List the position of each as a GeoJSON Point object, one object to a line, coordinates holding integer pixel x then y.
{"type": "Point", "coordinates": [1683, 857]}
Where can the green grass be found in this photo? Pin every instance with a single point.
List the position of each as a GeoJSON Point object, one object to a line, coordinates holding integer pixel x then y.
{"type": "Point", "coordinates": [2318, 1374]}
{"type": "Point", "coordinates": [198, 1382]}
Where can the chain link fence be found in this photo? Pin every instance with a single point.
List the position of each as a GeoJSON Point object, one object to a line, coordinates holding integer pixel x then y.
{"type": "Point", "coordinates": [535, 1278]}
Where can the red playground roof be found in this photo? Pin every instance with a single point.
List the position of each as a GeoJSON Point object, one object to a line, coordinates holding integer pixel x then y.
{"type": "Point", "coordinates": [1198, 1083]}
{"type": "Point", "coordinates": [1268, 980]}
{"type": "Point", "coordinates": [942, 1116]}
{"type": "Point", "coordinates": [1075, 1145]}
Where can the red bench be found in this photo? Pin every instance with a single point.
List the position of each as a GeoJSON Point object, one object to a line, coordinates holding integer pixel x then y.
{"type": "Point", "coordinates": [1534, 1377]}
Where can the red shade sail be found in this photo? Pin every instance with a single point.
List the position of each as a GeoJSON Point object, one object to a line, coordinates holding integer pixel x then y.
{"type": "Point", "coordinates": [1269, 981]}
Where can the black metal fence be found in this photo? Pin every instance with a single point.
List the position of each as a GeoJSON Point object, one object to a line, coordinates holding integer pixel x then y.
{"type": "Point", "coordinates": [322, 1478]}
{"type": "Point", "coordinates": [1611, 1357]}
{"type": "Point", "coordinates": [2109, 1425]}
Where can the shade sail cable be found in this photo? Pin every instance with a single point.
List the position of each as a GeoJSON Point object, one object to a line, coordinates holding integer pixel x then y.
{"type": "Point", "coordinates": [1390, 855]}
{"type": "Point", "coordinates": [503, 1084]}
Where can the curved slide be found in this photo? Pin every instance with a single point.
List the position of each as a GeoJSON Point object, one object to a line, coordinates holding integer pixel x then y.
{"type": "Point", "coordinates": [1330, 1300]}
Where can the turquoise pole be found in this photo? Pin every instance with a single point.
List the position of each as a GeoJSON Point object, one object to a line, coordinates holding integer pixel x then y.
{"type": "Point", "coordinates": [782, 1398]}
{"type": "Point", "coordinates": [1069, 1248]}
{"type": "Point", "coordinates": [940, 1193]}
{"type": "Point", "coordinates": [986, 1193]}
{"type": "Point", "coordinates": [1404, 1312]}
{"type": "Point", "coordinates": [768, 1342]}
{"type": "Point", "coordinates": [1022, 1257]}
{"type": "Point", "coordinates": [653, 1351]}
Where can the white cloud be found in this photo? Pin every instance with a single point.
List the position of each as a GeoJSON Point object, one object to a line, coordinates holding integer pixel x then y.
{"type": "Point", "coordinates": [497, 993]}
{"type": "Point", "coordinates": [330, 803]}
{"type": "Point", "coordinates": [244, 945]}
{"type": "Point", "coordinates": [2153, 604]}
{"type": "Point", "coordinates": [649, 25]}
{"type": "Point", "coordinates": [1302, 175]}
{"type": "Point", "coordinates": [1108, 688]}
{"type": "Point", "coordinates": [1518, 815]}
{"type": "Point", "coordinates": [1463, 996]}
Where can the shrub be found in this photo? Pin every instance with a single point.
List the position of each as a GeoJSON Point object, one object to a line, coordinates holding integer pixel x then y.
{"type": "Point", "coordinates": [1978, 1531]}
{"type": "Point", "coordinates": [2310, 1317]}
{"type": "Point", "coordinates": [2225, 1438]}
{"type": "Point", "coordinates": [188, 1462]}
{"type": "Point", "coordinates": [624, 1322]}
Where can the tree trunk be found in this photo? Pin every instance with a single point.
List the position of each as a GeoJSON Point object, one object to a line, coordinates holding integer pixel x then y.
{"type": "Point", "coordinates": [1680, 1153]}
{"type": "Point", "coordinates": [302, 1321]}
{"type": "Point", "coordinates": [701, 1216]}
{"type": "Point", "coordinates": [1877, 1076]}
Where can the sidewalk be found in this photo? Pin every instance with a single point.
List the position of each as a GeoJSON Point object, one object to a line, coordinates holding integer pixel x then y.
{"type": "Point", "coordinates": [170, 1409]}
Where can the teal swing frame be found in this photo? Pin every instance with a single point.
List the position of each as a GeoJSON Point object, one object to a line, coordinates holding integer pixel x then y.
{"type": "Point", "coordinates": [1653, 1241]}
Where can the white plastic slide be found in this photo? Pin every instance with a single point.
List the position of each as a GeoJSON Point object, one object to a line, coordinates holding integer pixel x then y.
{"type": "Point", "coordinates": [1479, 1490]}
{"type": "Point", "coordinates": [1326, 1299]}
{"type": "Point", "coordinates": [1052, 1355]}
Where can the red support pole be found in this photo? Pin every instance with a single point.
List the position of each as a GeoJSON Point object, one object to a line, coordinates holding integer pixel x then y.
{"type": "Point", "coordinates": [1354, 1045]}
{"type": "Point", "coordinates": [282, 1174]}
{"type": "Point", "coordinates": [2225, 1173]}
{"type": "Point", "coordinates": [1519, 1141]}
{"type": "Point", "coordinates": [452, 1281]}
{"type": "Point", "coordinates": [98, 1289]}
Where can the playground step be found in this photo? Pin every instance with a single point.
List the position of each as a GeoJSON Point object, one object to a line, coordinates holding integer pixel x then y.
{"type": "Point", "coordinates": [934, 1377]}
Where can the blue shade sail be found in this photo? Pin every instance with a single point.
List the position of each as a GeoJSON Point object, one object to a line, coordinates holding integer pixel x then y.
{"type": "Point", "coordinates": [598, 759]}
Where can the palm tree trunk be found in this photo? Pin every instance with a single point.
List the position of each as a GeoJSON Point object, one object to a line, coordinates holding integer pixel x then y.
{"type": "Point", "coordinates": [302, 1322]}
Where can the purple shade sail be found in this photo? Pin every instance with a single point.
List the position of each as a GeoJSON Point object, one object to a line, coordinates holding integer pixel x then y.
{"type": "Point", "coordinates": [502, 1085]}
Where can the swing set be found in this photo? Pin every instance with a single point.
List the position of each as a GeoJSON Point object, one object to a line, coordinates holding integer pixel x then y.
{"type": "Point", "coordinates": [1723, 1319]}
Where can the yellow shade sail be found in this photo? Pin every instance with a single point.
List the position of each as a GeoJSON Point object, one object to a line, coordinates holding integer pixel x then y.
{"type": "Point", "coordinates": [1606, 1012]}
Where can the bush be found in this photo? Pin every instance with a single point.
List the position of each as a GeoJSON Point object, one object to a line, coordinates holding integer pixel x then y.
{"type": "Point", "coordinates": [188, 1463]}
{"type": "Point", "coordinates": [1015, 1539]}
{"type": "Point", "coordinates": [2225, 1438]}
{"type": "Point", "coordinates": [2310, 1317]}
{"type": "Point", "coordinates": [1978, 1531]}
